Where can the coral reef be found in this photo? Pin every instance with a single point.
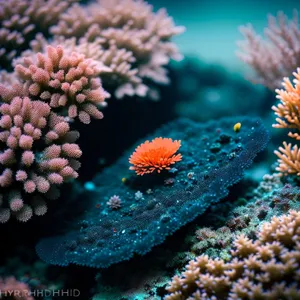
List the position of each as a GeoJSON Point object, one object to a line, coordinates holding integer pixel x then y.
{"type": "Point", "coordinates": [266, 268]}
{"type": "Point", "coordinates": [109, 236]}
{"type": "Point", "coordinates": [148, 276]}
{"type": "Point", "coordinates": [176, 196]}
{"type": "Point", "coordinates": [37, 147]}
{"type": "Point", "coordinates": [49, 90]}
{"type": "Point", "coordinates": [276, 57]}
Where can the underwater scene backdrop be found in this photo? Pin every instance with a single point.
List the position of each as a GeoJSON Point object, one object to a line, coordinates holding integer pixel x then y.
{"type": "Point", "coordinates": [149, 149]}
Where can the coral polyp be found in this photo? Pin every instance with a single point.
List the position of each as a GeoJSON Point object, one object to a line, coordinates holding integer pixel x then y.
{"type": "Point", "coordinates": [155, 156]}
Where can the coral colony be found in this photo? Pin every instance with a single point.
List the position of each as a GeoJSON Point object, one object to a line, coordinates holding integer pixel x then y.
{"type": "Point", "coordinates": [62, 64]}
{"type": "Point", "coordinates": [265, 268]}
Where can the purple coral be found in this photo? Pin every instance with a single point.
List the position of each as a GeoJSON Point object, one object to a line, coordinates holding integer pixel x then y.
{"type": "Point", "coordinates": [37, 153]}
{"type": "Point", "coordinates": [65, 82]}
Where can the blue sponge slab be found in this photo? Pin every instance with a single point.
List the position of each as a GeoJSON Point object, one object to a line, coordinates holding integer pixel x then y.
{"type": "Point", "coordinates": [153, 206]}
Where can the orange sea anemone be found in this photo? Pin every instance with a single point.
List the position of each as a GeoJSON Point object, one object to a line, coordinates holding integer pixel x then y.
{"type": "Point", "coordinates": [156, 155]}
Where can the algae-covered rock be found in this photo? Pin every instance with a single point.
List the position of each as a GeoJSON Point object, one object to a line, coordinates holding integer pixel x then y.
{"type": "Point", "coordinates": [103, 236]}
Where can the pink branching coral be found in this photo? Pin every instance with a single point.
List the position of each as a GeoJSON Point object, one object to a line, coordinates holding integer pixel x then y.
{"type": "Point", "coordinates": [22, 20]}
{"type": "Point", "coordinates": [37, 154]}
{"type": "Point", "coordinates": [10, 288]}
{"type": "Point", "coordinates": [66, 82]}
{"type": "Point", "coordinates": [288, 114]}
{"type": "Point", "coordinates": [276, 57]}
{"type": "Point", "coordinates": [130, 30]}
{"type": "Point", "coordinates": [266, 268]}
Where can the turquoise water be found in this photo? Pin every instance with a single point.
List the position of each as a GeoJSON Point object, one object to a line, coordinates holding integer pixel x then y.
{"type": "Point", "coordinates": [212, 26]}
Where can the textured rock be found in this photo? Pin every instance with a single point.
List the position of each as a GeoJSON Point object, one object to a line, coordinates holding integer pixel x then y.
{"type": "Point", "coordinates": [171, 199]}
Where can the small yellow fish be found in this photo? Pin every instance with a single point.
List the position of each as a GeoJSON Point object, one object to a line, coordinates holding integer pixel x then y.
{"type": "Point", "coordinates": [237, 127]}
{"type": "Point", "coordinates": [124, 179]}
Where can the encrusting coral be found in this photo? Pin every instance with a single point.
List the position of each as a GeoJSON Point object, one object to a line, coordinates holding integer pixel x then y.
{"type": "Point", "coordinates": [131, 38]}
{"type": "Point", "coordinates": [276, 57]}
{"type": "Point", "coordinates": [266, 268]}
{"type": "Point", "coordinates": [288, 113]}
{"type": "Point", "coordinates": [38, 153]}
{"type": "Point", "coordinates": [22, 20]}
{"type": "Point", "coordinates": [157, 155]}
